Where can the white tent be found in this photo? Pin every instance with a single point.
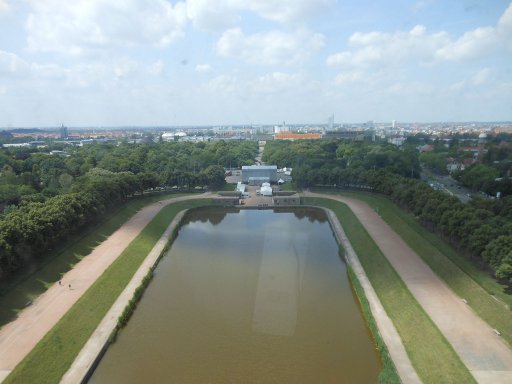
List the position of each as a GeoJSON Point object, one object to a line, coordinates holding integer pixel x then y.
{"type": "Point", "coordinates": [266, 191]}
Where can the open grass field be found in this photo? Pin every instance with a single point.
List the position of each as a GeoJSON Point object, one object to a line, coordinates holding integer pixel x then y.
{"type": "Point", "coordinates": [432, 356]}
{"type": "Point", "coordinates": [54, 354]}
{"type": "Point", "coordinates": [463, 277]}
{"type": "Point", "coordinates": [14, 294]}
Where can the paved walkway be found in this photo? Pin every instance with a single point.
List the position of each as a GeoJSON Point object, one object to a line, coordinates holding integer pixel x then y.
{"type": "Point", "coordinates": [487, 356]}
{"type": "Point", "coordinates": [18, 337]}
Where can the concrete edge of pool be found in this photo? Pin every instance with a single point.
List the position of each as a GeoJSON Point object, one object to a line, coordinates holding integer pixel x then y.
{"type": "Point", "coordinates": [92, 352]}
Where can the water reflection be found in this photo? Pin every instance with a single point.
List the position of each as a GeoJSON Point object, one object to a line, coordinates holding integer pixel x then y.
{"type": "Point", "coordinates": [258, 297]}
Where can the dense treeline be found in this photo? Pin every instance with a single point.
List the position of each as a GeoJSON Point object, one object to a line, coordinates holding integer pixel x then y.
{"type": "Point", "coordinates": [327, 162]}
{"type": "Point", "coordinates": [46, 197]}
{"type": "Point", "coordinates": [482, 228]}
{"type": "Point", "coordinates": [28, 172]}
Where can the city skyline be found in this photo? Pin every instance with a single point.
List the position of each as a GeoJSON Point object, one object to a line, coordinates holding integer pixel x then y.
{"type": "Point", "coordinates": [194, 62]}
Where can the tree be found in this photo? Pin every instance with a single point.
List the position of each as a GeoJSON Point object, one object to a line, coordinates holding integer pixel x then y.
{"type": "Point", "coordinates": [214, 176]}
{"type": "Point", "coordinates": [478, 177]}
{"type": "Point", "coordinates": [496, 251]}
{"type": "Point", "coordinates": [504, 270]}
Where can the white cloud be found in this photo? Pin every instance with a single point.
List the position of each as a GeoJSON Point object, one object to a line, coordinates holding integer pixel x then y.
{"type": "Point", "coordinates": [212, 15]}
{"type": "Point", "coordinates": [80, 26]}
{"type": "Point", "coordinates": [472, 45]}
{"type": "Point", "coordinates": [4, 6]}
{"type": "Point", "coordinates": [124, 68]}
{"type": "Point", "coordinates": [157, 68]}
{"type": "Point", "coordinates": [204, 68]}
{"type": "Point", "coordinates": [420, 47]}
{"type": "Point", "coordinates": [377, 48]}
{"type": "Point", "coordinates": [50, 72]}
{"type": "Point", "coordinates": [420, 5]}
{"type": "Point", "coordinates": [481, 77]}
{"type": "Point", "coordinates": [223, 84]}
{"type": "Point", "coordinates": [269, 85]}
{"type": "Point", "coordinates": [478, 79]}
{"type": "Point", "coordinates": [411, 88]}
{"type": "Point", "coordinates": [349, 77]}
{"type": "Point", "coordinates": [276, 82]}
{"type": "Point", "coordinates": [288, 11]}
{"type": "Point", "coordinates": [270, 47]}
{"type": "Point", "coordinates": [11, 65]}
{"type": "Point", "coordinates": [217, 15]}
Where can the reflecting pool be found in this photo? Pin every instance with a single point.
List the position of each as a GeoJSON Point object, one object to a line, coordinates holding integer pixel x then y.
{"type": "Point", "coordinates": [249, 296]}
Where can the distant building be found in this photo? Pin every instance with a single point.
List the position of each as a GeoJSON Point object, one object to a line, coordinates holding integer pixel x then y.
{"type": "Point", "coordinates": [297, 136]}
{"type": "Point", "coordinates": [482, 140]}
{"type": "Point", "coordinates": [281, 128]}
{"type": "Point", "coordinates": [398, 141]}
{"type": "Point", "coordinates": [259, 174]}
{"type": "Point", "coordinates": [63, 132]}
{"type": "Point", "coordinates": [240, 187]}
{"type": "Point", "coordinates": [266, 190]}
{"type": "Point", "coordinates": [346, 135]}
{"type": "Point", "coordinates": [280, 201]}
{"type": "Point", "coordinates": [173, 136]}
{"type": "Point", "coordinates": [426, 148]}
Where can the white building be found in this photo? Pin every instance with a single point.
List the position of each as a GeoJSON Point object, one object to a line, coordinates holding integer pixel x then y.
{"type": "Point", "coordinates": [259, 174]}
{"type": "Point", "coordinates": [266, 190]}
{"type": "Point", "coordinates": [172, 136]}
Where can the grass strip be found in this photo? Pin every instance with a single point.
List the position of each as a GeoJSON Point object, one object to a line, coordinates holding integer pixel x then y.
{"type": "Point", "coordinates": [127, 313]}
{"type": "Point", "coordinates": [432, 356]}
{"type": "Point", "coordinates": [27, 285]}
{"type": "Point", "coordinates": [55, 353]}
{"type": "Point", "coordinates": [388, 375]}
{"type": "Point", "coordinates": [462, 276]}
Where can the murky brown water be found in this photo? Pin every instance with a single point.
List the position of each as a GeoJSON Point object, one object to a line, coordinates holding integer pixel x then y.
{"type": "Point", "coordinates": [246, 297]}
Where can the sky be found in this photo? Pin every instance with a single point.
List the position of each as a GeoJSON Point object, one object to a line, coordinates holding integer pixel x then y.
{"type": "Point", "coordinates": [100, 63]}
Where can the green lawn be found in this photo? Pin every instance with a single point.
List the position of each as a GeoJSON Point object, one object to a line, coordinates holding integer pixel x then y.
{"type": "Point", "coordinates": [388, 375]}
{"type": "Point", "coordinates": [287, 187]}
{"type": "Point", "coordinates": [55, 353]}
{"type": "Point", "coordinates": [430, 353]}
{"type": "Point", "coordinates": [35, 280]}
{"type": "Point", "coordinates": [462, 276]}
{"type": "Point", "coordinates": [228, 187]}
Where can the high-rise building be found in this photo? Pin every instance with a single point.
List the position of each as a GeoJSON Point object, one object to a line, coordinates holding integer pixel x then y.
{"type": "Point", "coordinates": [63, 132]}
